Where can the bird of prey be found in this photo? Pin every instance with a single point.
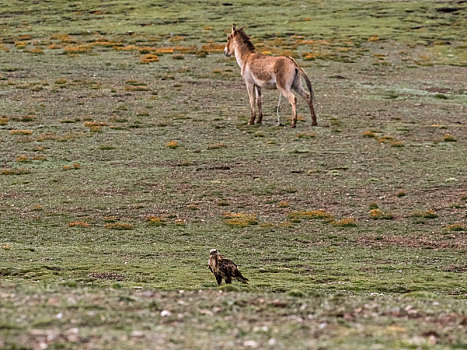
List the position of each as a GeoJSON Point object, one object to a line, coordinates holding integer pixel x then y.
{"type": "Point", "coordinates": [223, 268]}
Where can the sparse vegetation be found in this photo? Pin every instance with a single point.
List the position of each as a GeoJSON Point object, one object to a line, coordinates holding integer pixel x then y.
{"type": "Point", "coordinates": [379, 214]}
{"type": "Point", "coordinates": [240, 219]}
{"type": "Point", "coordinates": [346, 222]}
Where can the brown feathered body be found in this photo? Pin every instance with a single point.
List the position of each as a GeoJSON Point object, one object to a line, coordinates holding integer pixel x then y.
{"type": "Point", "coordinates": [223, 268]}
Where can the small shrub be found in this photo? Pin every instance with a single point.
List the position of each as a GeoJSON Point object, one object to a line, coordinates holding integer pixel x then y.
{"type": "Point", "coordinates": [20, 132]}
{"type": "Point", "coordinates": [61, 81]}
{"type": "Point", "coordinates": [283, 204]}
{"type": "Point", "coordinates": [119, 226]}
{"type": "Point", "coordinates": [149, 58]}
{"type": "Point", "coordinates": [25, 118]}
{"type": "Point", "coordinates": [378, 214]}
{"type": "Point", "coordinates": [449, 138]}
{"type": "Point", "coordinates": [74, 166]}
{"type": "Point", "coordinates": [396, 143]}
{"type": "Point", "coordinates": [172, 144]}
{"type": "Point", "coordinates": [240, 219]}
{"type": "Point", "coordinates": [36, 50]}
{"type": "Point", "coordinates": [77, 49]}
{"type": "Point", "coordinates": [428, 214]}
{"type": "Point", "coordinates": [138, 87]}
{"type": "Point", "coordinates": [155, 221]}
{"type": "Point", "coordinates": [457, 227]}
{"type": "Point", "coordinates": [346, 222]}
{"type": "Point", "coordinates": [373, 205]}
{"type": "Point", "coordinates": [369, 133]}
{"type": "Point", "coordinates": [3, 120]}
{"type": "Point", "coordinates": [386, 139]}
{"type": "Point", "coordinates": [14, 171]}
{"type": "Point", "coordinates": [401, 193]}
{"type": "Point", "coordinates": [21, 44]}
{"type": "Point", "coordinates": [217, 146]}
{"type": "Point", "coordinates": [90, 124]}
{"type": "Point", "coordinates": [297, 293]}
{"type": "Point", "coordinates": [110, 218]}
{"type": "Point", "coordinates": [78, 224]}
{"type": "Point", "coordinates": [23, 159]}
{"type": "Point", "coordinates": [106, 147]}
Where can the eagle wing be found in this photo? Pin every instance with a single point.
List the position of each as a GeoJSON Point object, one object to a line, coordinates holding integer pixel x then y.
{"type": "Point", "coordinates": [209, 265]}
{"type": "Point", "coordinates": [229, 270]}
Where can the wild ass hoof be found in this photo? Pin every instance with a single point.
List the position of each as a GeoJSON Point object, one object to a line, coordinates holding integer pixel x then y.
{"type": "Point", "coordinates": [314, 124]}
{"type": "Point", "coordinates": [279, 124]}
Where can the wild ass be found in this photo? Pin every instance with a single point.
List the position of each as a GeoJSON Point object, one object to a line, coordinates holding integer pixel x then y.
{"type": "Point", "coordinates": [260, 71]}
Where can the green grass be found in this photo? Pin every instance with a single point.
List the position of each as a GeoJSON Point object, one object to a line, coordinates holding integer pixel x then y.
{"type": "Point", "coordinates": [94, 143]}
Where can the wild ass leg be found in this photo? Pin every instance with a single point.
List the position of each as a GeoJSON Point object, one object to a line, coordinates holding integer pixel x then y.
{"type": "Point", "coordinates": [259, 102]}
{"type": "Point", "coordinates": [251, 95]}
{"type": "Point", "coordinates": [308, 100]}
{"type": "Point", "coordinates": [277, 111]}
{"type": "Point", "coordinates": [293, 102]}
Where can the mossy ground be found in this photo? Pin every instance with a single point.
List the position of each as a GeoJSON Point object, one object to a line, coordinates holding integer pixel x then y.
{"type": "Point", "coordinates": [97, 138]}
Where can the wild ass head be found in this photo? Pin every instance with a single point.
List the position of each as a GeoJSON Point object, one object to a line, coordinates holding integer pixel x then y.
{"type": "Point", "coordinates": [229, 46]}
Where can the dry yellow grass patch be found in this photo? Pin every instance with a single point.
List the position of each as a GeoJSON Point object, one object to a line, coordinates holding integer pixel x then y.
{"type": "Point", "coordinates": [378, 214]}
{"type": "Point", "coordinates": [345, 222]}
{"type": "Point", "coordinates": [314, 214]}
{"type": "Point", "coordinates": [369, 133]}
{"type": "Point", "coordinates": [149, 58]}
{"type": "Point", "coordinates": [172, 144]}
{"type": "Point", "coordinates": [20, 132]}
{"type": "Point", "coordinates": [155, 221]}
{"type": "Point", "coordinates": [457, 227]}
{"type": "Point", "coordinates": [14, 171]}
{"type": "Point", "coordinates": [240, 219]}
{"type": "Point", "coordinates": [74, 166]}
{"type": "Point", "coordinates": [212, 48]}
{"type": "Point", "coordinates": [76, 49]}
{"type": "Point", "coordinates": [78, 224]}
{"type": "Point", "coordinates": [23, 159]}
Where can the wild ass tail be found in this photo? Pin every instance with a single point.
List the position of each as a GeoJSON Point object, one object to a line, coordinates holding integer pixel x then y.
{"type": "Point", "coordinates": [305, 77]}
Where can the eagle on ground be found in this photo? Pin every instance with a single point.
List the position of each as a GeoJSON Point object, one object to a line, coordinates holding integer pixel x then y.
{"type": "Point", "coordinates": [223, 268]}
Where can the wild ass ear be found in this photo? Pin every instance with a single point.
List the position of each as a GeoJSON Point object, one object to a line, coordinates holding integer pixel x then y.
{"type": "Point", "coordinates": [234, 27]}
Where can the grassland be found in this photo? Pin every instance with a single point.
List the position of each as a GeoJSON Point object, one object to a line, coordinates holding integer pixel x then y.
{"type": "Point", "coordinates": [125, 156]}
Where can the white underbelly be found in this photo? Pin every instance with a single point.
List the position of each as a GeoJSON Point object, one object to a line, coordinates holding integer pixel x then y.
{"type": "Point", "coordinates": [270, 84]}
{"type": "Point", "coordinates": [267, 84]}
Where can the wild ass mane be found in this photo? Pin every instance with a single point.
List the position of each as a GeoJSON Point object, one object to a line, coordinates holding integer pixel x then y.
{"type": "Point", "coordinates": [246, 40]}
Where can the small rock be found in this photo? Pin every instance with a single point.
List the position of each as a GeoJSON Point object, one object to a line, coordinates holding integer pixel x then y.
{"type": "Point", "coordinates": [165, 313]}
{"type": "Point", "coordinates": [137, 334]}
{"type": "Point", "coordinates": [250, 344]}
